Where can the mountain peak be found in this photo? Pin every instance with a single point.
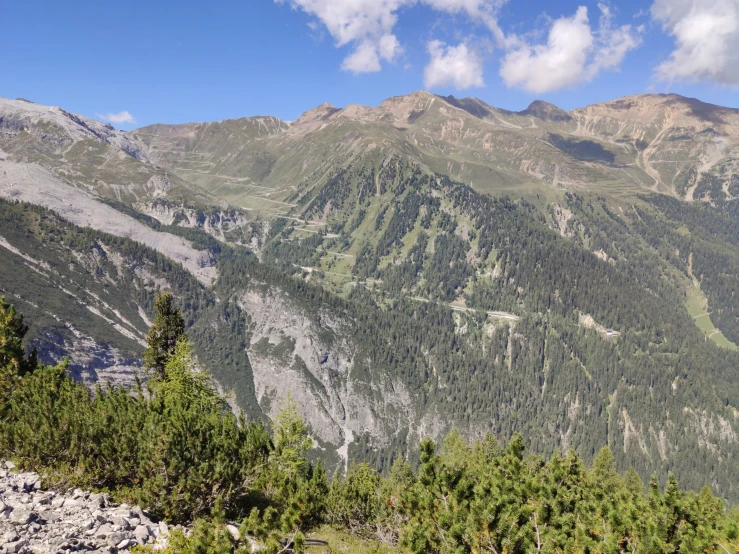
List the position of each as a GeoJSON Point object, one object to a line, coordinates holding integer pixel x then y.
{"type": "Point", "coordinates": [684, 111]}
{"type": "Point", "coordinates": [407, 108]}
{"type": "Point", "coordinates": [545, 110]}
{"type": "Point", "coordinates": [414, 99]}
{"type": "Point", "coordinates": [22, 114]}
{"type": "Point", "coordinates": [317, 114]}
{"type": "Point", "coordinates": [473, 106]}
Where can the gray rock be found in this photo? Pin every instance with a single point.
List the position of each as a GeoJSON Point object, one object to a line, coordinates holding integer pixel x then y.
{"type": "Point", "coordinates": [35, 522]}
{"type": "Point", "coordinates": [116, 538]}
{"type": "Point", "coordinates": [163, 529]}
{"type": "Point", "coordinates": [138, 512]}
{"type": "Point", "coordinates": [98, 500]}
{"type": "Point", "coordinates": [13, 547]}
{"type": "Point", "coordinates": [125, 543]}
{"type": "Point", "coordinates": [104, 530]}
{"type": "Point", "coordinates": [19, 516]}
{"type": "Point", "coordinates": [73, 503]}
{"type": "Point", "coordinates": [234, 532]}
{"type": "Point", "coordinates": [120, 522]}
{"type": "Point", "coordinates": [10, 465]}
{"type": "Point", "coordinates": [142, 534]}
{"type": "Point", "coordinates": [30, 481]}
{"type": "Point", "coordinates": [133, 522]}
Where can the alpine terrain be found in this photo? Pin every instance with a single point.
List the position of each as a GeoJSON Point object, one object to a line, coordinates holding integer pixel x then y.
{"type": "Point", "coordinates": [399, 271]}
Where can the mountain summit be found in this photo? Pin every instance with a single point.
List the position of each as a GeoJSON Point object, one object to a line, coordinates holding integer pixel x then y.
{"type": "Point", "coordinates": [546, 111]}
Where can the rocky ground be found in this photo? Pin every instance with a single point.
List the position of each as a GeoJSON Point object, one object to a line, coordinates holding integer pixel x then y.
{"type": "Point", "coordinates": [36, 521]}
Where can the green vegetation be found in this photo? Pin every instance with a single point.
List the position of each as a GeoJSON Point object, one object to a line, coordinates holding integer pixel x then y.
{"type": "Point", "coordinates": [12, 333]}
{"type": "Point", "coordinates": [165, 334]}
{"type": "Point", "coordinates": [659, 396]}
{"type": "Point", "coordinates": [545, 375]}
{"type": "Point", "coordinates": [697, 304]}
{"type": "Point", "coordinates": [182, 455]}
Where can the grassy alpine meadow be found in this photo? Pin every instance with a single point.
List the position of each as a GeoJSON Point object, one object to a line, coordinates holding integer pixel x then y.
{"type": "Point", "coordinates": [697, 305]}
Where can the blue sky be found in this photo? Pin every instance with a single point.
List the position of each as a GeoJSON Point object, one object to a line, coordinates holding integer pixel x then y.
{"type": "Point", "coordinates": [172, 62]}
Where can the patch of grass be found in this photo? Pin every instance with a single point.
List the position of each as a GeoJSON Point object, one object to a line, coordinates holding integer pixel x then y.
{"type": "Point", "coordinates": [340, 542]}
{"type": "Point", "coordinates": [697, 305]}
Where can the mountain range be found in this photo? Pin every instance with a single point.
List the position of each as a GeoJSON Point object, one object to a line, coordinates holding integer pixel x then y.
{"type": "Point", "coordinates": [401, 269]}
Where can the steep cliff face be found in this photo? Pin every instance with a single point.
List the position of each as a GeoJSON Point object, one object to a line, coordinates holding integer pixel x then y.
{"type": "Point", "coordinates": [224, 223]}
{"type": "Point", "coordinates": [311, 357]}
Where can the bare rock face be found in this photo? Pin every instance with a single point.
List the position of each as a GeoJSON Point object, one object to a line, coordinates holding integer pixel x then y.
{"type": "Point", "coordinates": [308, 356]}
{"type": "Point", "coordinates": [90, 361]}
{"type": "Point", "coordinates": [37, 185]}
{"type": "Point", "coordinates": [36, 521]}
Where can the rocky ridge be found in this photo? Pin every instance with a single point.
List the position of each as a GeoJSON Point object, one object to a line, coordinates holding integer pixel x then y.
{"type": "Point", "coordinates": [625, 147]}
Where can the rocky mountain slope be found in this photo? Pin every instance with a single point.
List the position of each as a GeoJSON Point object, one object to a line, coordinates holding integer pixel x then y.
{"type": "Point", "coordinates": [85, 153]}
{"type": "Point", "coordinates": [665, 143]}
{"type": "Point", "coordinates": [376, 282]}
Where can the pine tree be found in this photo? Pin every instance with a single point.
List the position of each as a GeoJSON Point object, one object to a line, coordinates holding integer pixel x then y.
{"type": "Point", "coordinates": [12, 332]}
{"type": "Point", "coordinates": [165, 332]}
{"type": "Point", "coordinates": [184, 382]}
{"type": "Point", "coordinates": [291, 441]}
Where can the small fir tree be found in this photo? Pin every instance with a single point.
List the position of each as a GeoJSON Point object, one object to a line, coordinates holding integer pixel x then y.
{"type": "Point", "coordinates": [12, 333]}
{"type": "Point", "coordinates": [165, 332]}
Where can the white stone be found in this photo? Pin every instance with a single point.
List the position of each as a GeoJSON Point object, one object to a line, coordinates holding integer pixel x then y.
{"type": "Point", "coordinates": [125, 543]}
{"type": "Point", "coordinates": [234, 531]}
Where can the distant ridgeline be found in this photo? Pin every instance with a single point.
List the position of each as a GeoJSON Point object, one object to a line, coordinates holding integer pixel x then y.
{"type": "Point", "coordinates": [176, 449]}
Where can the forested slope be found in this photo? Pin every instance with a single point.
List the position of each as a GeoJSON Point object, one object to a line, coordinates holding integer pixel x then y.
{"type": "Point", "coordinates": [378, 368]}
{"type": "Point", "coordinates": [394, 301]}
{"type": "Point", "coordinates": [174, 449]}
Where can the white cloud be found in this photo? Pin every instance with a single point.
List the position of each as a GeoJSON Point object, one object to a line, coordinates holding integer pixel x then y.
{"type": "Point", "coordinates": [482, 11]}
{"type": "Point", "coordinates": [612, 44]}
{"type": "Point", "coordinates": [368, 25]}
{"type": "Point", "coordinates": [121, 117]}
{"type": "Point", "coordinates": [573, 53]}
{"type": "Point", "coordinates": [459, 66]}
{"type": "Point", "coordinates": [706, 36]}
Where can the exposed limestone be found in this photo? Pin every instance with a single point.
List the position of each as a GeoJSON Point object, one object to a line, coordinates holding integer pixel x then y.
{"type": "Point", "coordinates": [36, 521]}
{"type": "Point", "coordinates": [291, 352]}
{"type": "Point", "coordinates": [37, 185]}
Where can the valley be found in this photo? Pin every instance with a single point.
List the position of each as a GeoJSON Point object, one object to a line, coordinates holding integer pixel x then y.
{"type": "Point", "coordinates": [427, 264]}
